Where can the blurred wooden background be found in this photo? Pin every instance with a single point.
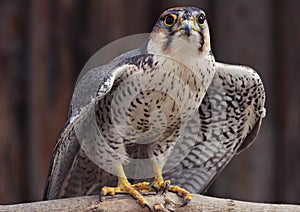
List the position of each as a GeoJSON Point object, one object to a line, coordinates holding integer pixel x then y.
{"type": "Point", "coordinates": [45, 43]}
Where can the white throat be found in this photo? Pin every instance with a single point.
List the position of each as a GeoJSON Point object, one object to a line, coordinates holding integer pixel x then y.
{"type": "Point", "coordinates": [185, 52]}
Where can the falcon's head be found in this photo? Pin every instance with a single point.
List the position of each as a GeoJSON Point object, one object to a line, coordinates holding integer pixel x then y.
{"type": "Point", "coordinates": [178, 29]}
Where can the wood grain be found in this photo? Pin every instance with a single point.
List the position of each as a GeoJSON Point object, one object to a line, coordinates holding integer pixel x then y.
{"type": "Point", "coordinates": [161, 203]}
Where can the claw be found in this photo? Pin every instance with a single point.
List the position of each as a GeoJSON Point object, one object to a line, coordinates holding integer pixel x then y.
{"type": "Point", "coordinates": [154, 187]}
{"type": "Point", "coordinates": [166, 187]}
{"type": "Point", "coordinates": [147, 206]}
{"type": "Point", "coordinates": [101, 195]}
{"type": "Point", "coordinates": [186, 202]}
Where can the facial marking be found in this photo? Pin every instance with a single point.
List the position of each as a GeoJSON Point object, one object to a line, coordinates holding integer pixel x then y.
{"type": "Point", "coordinates": [186, 15]}
{"type": "Point", "coordinates": [189, 24]}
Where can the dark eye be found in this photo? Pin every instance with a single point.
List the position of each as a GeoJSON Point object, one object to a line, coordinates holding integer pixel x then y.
{"type": "Point", "coordinates": [201, 19]}
{"type": "Point", "coordinates": [170, 20]}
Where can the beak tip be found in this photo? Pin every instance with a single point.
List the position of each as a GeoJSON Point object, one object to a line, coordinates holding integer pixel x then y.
{"type": "Point", "coordinates": [187, 29]}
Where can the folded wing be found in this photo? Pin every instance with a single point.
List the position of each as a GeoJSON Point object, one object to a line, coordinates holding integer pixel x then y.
{"type": "Point", "coordinates": [227, 122]}
{"type": "Point", "coordinates": [71, 173]}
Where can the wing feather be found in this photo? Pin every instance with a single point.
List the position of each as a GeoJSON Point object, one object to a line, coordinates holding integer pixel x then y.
{"type": "Point", "coordinates": [90, 89]}
{"type": "Point", "coordinates": [230, 116]}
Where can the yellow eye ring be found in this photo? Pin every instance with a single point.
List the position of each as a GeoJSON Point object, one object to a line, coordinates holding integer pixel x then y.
{"type": "Point", "coordinates": [170, 20]}
{"type": "Point", "coordinates": [201, 19]}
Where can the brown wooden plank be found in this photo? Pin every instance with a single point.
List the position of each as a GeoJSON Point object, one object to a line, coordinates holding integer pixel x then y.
{"type": "Point", "coordinates": [287, 63]}
{"type": "Point", "coordinates": [51, 66]}
{"type": "Point", "coordinates": [202, 4]}
{"type": "Point", "coordinates": [106, 23]}
{"type": "Point", "coordinates": [242, 34]}
{"type": "Point", "coordinates": [12, 103]}
{"type": "Point", "coordinates": [39, 56]}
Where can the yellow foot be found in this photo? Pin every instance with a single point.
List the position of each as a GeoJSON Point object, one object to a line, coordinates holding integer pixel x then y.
{"type": "Point", "coordinates": [187, 196]}
{"type": "Point", "coordinates": [127, 188]}
{"type": "Point", "coordinates": [135, 189]}
{"type": "Point", "coordinates": [161, 185]}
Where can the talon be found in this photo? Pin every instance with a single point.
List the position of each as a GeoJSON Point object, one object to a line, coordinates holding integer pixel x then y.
{"type": "Point", "coordinates": [186, 202]}
{"type": "Point", "coordinates": [147, 206]}
{"type": "Point", "coordinates": [168, 183]}
{"type": "Point", "coordinates": [154, 187]}
{"type": "Point", "coordinates": [101, 195]}
{"type": "Point", "coordinates": [187, 196]}
{"type": "Point", "coordinates": [125, 187]}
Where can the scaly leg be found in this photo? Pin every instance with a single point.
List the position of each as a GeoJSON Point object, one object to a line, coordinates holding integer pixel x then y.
{"type": "Point", "coordinates": [134, 190]}
{"type": "Point", "coordinates": [125, 187]}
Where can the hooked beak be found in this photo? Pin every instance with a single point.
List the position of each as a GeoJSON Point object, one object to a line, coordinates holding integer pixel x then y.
{"type": "Point", "coordinates": [187, 25]}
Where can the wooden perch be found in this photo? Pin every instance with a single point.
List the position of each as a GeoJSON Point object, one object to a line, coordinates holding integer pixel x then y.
{"type": "Point", "coordinates": [161, 203]}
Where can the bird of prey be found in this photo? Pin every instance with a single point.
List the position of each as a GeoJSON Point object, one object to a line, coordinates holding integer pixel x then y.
{"type": "Point", "coordinates": [163, 117]}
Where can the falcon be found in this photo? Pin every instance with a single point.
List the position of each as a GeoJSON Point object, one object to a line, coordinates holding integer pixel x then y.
{"type": "Point", "coordinates": [163, 117]}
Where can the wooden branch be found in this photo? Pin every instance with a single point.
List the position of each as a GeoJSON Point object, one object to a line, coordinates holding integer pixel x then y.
{"type": "Point", "coordinates": [160, 203]}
